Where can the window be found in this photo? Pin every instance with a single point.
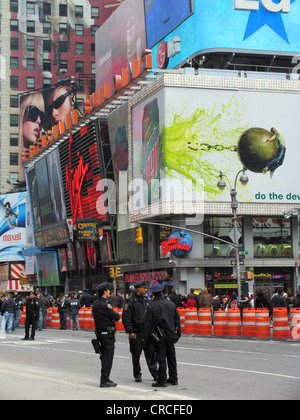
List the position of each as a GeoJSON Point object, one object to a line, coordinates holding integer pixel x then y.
{"type": "Point", "coordinates": [94, 29]}
{"type": "Point", "coordinates": [79, 48]}
{"type": "Point", "coordinates": [63, 46]}
{"type": "Point", "coordinates": [79, 66]}
{"type": "Point", "coordinates": [30, 44]}
{"type": "Point", "coordinates": [92, 48]}
{"type": "Point", "coordinates": [79, 11]}
{"type": "Point", "coordinates": [63, 29]}
{"type": "Point", "coordinates": [14, 82]}
{"type": "Point", "coordinates": [79, 86]}
{"type": "Point", "coordinates": [46, 65]}
{"type": "Point", "coordinates": [47, 46]}
{"type": "Point", "coordinates": [14, 25]}
{"type": "Point", "coordinates": [14, 5]}
{"type": "Point", "coordinates": [79, 30]}
{"type": "Point", "coordinates": [30, 82]}
{"type": "Point", "coordinates": [271, 237]}
{"type": "Point", "coordinates": [47, 8]}
{"type": "Point", "coordinates": [47, 28]}
{"type": "Point", "coordinates": [95, 12]}
{"type": "Point", "coordinates": [13, 177]}
{"type": "Point", "coordinates": [30, 26]}
{"type": "Point", "coordinates": [14, 120]}
{"type": "Point", "coordinates": [63, 10]}
{"type": "Point", "coordinates": [30, 8]}
{"type": "Point", "coordinates": [14, 63]}
{"type": "Point", "coordinates": [13, 159]}
{"type": "Point", "coordinates": [30, 64]}
{"type": "Point", "coordinates": [220, 227]}
{"type": "Point", "coordinates": [14, 44]}
{"type": "Point", "coordinates": [14, 140]}
{"type": "Point", "coordinates": [46, 83]}
{"type": "Point", "coordinates": [14, 101]}
{"type": "Point", "coordinates": [63, 66]}
{"type": "Point", "coordinates": [93, 67]}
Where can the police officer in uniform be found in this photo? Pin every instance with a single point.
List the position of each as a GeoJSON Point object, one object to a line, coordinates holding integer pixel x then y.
{"type": "Point", "coordinates": [105, 318]}
{"type": "Point", "coordinates": [133, 321]}
{"type": "Point", "coordinates": [32, 315]}
{"type": "Point", "coordinates": [161, 331]}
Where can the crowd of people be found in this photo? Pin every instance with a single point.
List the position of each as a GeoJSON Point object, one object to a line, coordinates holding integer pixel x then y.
{"type": "Point", "coordinates": [11, 304]}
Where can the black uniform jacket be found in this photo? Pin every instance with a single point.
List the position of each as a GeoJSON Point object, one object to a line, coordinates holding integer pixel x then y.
{"type": "Point", "coordinates": [32, 307]}
{"type": "Point", "coordinates": [104, 315]}
{"type": "Point", "coordinates": [134, 313]}
{"type": "Point", "coordinates": [163, 313]}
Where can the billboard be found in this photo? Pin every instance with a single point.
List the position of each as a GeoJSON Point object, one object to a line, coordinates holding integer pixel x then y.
{"type": "Point", "coordinates": [125, 42]}
{"type": "Point", "coordinates": [47, 269]}
{"type": "Point", "coordinates": [191, 134]}
{"type": "Point", "coordinates": [12, 226]}
{"type": "Point", "coordinates": [218, 25]}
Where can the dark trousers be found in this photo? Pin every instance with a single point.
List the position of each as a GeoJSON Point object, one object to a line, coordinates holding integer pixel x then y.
{"type": "Point", "coordinates": [63, 320]}
{"type": "Point", "coordinates": [30, 320]}
{"type": "Point", "coordinates": [166, 356]}
{"type": "Point", "coordinates": [135, 346]}
{"type": "Point", "coordinates": [107, 354]}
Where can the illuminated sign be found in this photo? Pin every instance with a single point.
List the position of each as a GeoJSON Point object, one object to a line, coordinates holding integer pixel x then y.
{"type": "Point", "coordinates": [252, 5]}
{"type": "Point", "coordinates": [145, 276]}
{"type": "Point", "coordinates": [86, 230]}
{"type": "Point", "coordinates": [180, 244]}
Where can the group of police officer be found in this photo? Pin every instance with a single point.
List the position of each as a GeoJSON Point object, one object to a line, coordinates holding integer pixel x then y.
{"type": "Point", "coordinates": [152, 326]}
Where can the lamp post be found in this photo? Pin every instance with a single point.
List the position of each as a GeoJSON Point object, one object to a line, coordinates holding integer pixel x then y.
{"type": "Point", "coordinates": [234, 206]}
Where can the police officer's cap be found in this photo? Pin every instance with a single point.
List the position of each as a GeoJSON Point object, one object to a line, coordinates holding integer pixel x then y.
{"type": "Point", "coordinates": [102, 286]}
{"type": "Point", "coordinates": [157, 288]}
{"type": "Point", "coordinates": [139, 284]}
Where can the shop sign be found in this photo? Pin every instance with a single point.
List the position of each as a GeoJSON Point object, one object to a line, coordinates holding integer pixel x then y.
{"type": "Point", "coordinates": [145, 276]}
{"type": "Point", "coordinates": [225, 286]}
{"type": "Point", "coordinates": [180, 244]}
{"type": "Point", "coordinates": [53, 236]}
{"type": "Point", "coordinates": [86, 230]}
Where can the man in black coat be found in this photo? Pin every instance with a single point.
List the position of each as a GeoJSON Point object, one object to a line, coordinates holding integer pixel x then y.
{"type": "Point", "coordinates": [161, 331]}
{"type": "Point", "coordinates": [105, 318]}
{"type": "Point", "coordinates": [133, 321]}
{"type": "Point", "coordinates": [32, 315]}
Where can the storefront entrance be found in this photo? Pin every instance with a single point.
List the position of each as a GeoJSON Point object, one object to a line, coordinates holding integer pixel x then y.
{"type": "Point", "coordinates": [270, 280]}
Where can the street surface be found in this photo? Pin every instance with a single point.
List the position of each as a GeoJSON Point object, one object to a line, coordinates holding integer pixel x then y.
{"type": "Point", "coordinates": [61, 365]}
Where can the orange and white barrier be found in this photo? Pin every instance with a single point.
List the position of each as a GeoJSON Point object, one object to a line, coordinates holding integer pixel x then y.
{"type": "Point", "coordinates": [248, 322]}
{"type": "Point", "coordinates": [262, 323]}
{"type": "Point", "coordinates": [280, 323]}
{"type": "Point", "coordinates": [295, 323]}
{"type": "Point", "coordinates": [204, 322]}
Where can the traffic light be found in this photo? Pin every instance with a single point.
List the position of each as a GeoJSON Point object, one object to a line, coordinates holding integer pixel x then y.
{"type": "Point", "coordinates": [118, 272]}
{"type": "Point", "coordinates": [139, 236]}
{"type": "Point", "coordinates": [112, 272]}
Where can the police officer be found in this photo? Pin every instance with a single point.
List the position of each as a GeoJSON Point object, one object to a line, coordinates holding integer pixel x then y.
{"type": "Point", "coordinates": [133, 321]}
{"type": "Point", "coordinates": [32, 315]}
{"type": "Point", "coordinates": [105, 318]}
{"type": "Point", "coordinates": [161, 331]}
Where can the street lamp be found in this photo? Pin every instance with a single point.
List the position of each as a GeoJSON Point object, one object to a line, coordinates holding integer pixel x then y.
{"type": "Point", "coordinates": [234, 205]}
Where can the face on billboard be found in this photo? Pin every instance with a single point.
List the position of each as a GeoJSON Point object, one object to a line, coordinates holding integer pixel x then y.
{"type": "Point", "coordinates": [32, 111]}
{"type": "Point", "coordinates": [58, 103]}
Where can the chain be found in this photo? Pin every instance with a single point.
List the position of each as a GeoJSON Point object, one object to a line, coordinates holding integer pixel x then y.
{"type": "Point", "coordinates": [218, 147]}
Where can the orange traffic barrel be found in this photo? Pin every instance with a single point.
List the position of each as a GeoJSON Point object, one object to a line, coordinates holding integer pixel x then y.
{"type": "Point", "coordinates": [248, 322]}
{"type": "Point", "coordinates": [89, 319]}
{"type": "Point", "coordinates": [55, 321]}
{"type": "Point", "coordinates": [49, 317]}
{"type": "Point", "coordinates": [22, 316]}
{"type": "Point", "coordinates": [204, 321]}
{"type": "Point", "coordinates": [234, 326]}
{"type": "Point", "coordinates": [181, 312]}
{"type": "Point", "coordinates": [220, 323]}
{"type": "Point", "coordinates": [191, 321]}
{"type": "Point", "coordinates": [81, 318]}
{"type": "Point", "coordinates": [119, 324]}
{"type": "Point", "coordinates": [262, 323]}
{"type": "Point", "coordinates": [281, 327]}
{"type": "Point", "coordinates": [295, 323]}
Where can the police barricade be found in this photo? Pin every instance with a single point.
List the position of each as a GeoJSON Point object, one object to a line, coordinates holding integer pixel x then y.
{"type": "Point", "coordinates": [248, 322]}
{"type": "Point", "coordinates": [119, 324]}
{"type": "Point", "coordinates": [49, 317]}
{"type": "Point", "coordinates": [22, 316]}
{"type": "Point", "coordinates": [191, 321]}
{"type": "Point", "coordinates": [280, 323]}
{"type": "Point", "coordinates": [234, 327]}
{"type": "Point", "coordinates": [55, 320]}
{"type": "Point", "coordinates": [220, 323]}
{"type": "Point", "coordinates": [262, 323]}
{"type": "Point", "coordinates": [295, 323]}
{"type": "Point", "coordinates": [89, 320]}
{"type": "Point", "coordinates": [204, 321]}
{"type": "Point", "coordinates": [82, 318]}
{"type": "Point", "coordinates": [181, 312]}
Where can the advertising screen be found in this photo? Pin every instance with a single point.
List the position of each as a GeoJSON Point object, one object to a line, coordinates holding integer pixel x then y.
{"type": "Point", "coordinates": [47, 269]}
{"type": "Point", "coordinates": [188, 135]}
{"type": "Point", "coordinates": [12, 226]}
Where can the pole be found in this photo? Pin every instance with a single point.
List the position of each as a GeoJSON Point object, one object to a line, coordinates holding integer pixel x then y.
{"type": "Point", "coordinates": [234, 206]}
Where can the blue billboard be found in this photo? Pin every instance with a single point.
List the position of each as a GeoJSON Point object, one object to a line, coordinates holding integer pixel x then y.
{"type": "Point", "coordinates": [234, 25]}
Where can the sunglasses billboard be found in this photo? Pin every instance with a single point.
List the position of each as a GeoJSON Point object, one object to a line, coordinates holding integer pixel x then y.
{"type": "Point", "coordinates": [33, 113]}
{"type": "Point", "coordinates": [57, 103]}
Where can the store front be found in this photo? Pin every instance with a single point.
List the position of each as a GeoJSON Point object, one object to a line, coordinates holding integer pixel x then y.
{"type": "Point", "coordinates": [222, 283]}
{"type": "Point", "coordinates": [270, 280]}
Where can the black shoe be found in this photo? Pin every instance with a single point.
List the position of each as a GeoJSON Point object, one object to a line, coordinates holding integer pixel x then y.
{"type": "Point", "coordinates": [172, 381]}
{"type": "Point", "coordinates": [107, 384]}
{"type": "Point", "coordinates": [25, 338]}
{"type": "Point", "coordinates": [138, 378]}
{"type": "Point", "coordinates": [159, 384]}
{"type": "Point", "coordinates": [31, 338]}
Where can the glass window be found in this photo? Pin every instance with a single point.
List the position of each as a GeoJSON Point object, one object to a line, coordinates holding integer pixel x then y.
{"type": "Point", "coordinates": [13, 177]}
{"type": "Point", "coordinates": [14, 44]}
{"type": "Point", "coordinates": [14, 63]}
{"type": "Point", "coordinates": [79, 48]}
{"type": "Point", "coordinates": [14, 25]}
{"type": "Point", "coordinates": [63, 66]}
{"type": "Point", "coordinates": [46, 65]}
{"type": "Point", "coordinates": [30, 26]}
{"type": "Point", "coordinates": [14, 120]}
{"type": "Point", "coordinates": [13, 159]}
{"type": "Point", "coordinates": [63, 10]}
{"type": "Point", "coordinates": [94, 29]}
{"type": "Point", "coordinates": [47, 28]}
{"type": "Point", "coordinates": [47, 46]}
{"type": "Point", "coordinates": [46, 83]}
{"type": "Point", "coordinates": [79, 11]}
{"type": "Point", "coordinates": [79, 30]}
{"type": "Point", "coordinates": [14, 139]}
{"type": "Point", "coordinates": [14, 5]}
{"type": "Point", "coordinates": [14, 101]}
{"type": "Point", "coordinates": [95, 12]}
{"type": "Point", "coordinates": [220, 227]}
{"type": "Point", "coordinates": [63, 46]}
{"type": "Point", "coordinates": [30, 82]}
{"type": "Point", "coordinates": [272, 237]}
{"type": "Point", "coordinates": [30, 44]}
{"type": "Point", "coordinates": [30, 8]}
{"type": "Point", "coordinates": [63, 29]}
{"type": "Point", "coordinates": [47, 8]}
{"type": "Point", "coordinates": [79, 66]}
{"type": "Point", "coordinates": [14, 82]}
{"type": "Point", "coordinates": [30, 64]}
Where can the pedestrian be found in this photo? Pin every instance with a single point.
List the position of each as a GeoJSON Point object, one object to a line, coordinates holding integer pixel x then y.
{"type": "Point", "coordinates": [19, 307]}
{"type": "Point", "coordinates": [120, 301]}
{"type": "Point", "coordinates": [278, 301]}
{"type": "Point", "coordinates": [8, 311]}
{"type": "Point", "coordinates": [62, 309]}
{"type": "Point", "coordinates": [32, 315]}
{"type": "Point", "coordinates": [105, 318]}
{"type": "Point", "coordinates": [296, 301]}
{"type": "Point", "coordinates": [44, 304]}
{"type": "Point", "coordinates": [73, 308]}
{"type": "Point", "coordinates": [232, 302]}
{"type": "Point", "coordinates": [243, 303]}
{"type": "Point", "coordinates": [205, 300]}
{"type": "Point", "coordinates": [113, 299]}
{"type": "Point", "coordinates": [176, 298]}
{"type": "Point", "coordinates": [133, 321]}
{"type": "Point", "coordinates": [161, 332]}
{"type": "Point", "coordinates": [191, 302]}
{"type": "Point", "coordinates": [86, 299]}
{"type": "Point", "coordinates": [261, 301]}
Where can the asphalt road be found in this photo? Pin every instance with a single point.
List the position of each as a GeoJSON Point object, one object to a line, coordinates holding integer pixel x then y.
{"type": "Point", "coordinates": [61, 365]}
